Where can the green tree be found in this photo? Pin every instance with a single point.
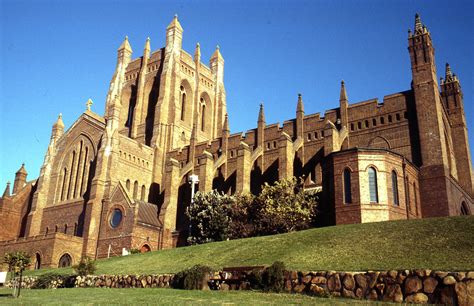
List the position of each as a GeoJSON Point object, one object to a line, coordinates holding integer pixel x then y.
{"type": "Point", "coordinates": [209, 217]}
{"type": "Point", "coordinates": [284, 207]}
{"type": "Point", "coordinates": [17, 263]}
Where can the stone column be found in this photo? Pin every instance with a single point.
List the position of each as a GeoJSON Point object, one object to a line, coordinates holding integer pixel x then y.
{"type": "Point", "coordinates": [243, 168]}
{"type": "Point", "coordinates": [206, 171]}
{"type": "Point", "coordinates": [286, 156]}
{"type": "Point", "coordinates": [170, 205]}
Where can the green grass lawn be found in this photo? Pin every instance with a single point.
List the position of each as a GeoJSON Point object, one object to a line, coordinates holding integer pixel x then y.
{"type": "Point", "coordinates": [88, 296]}
{"type": "Point", "coordinates": [436, 243]}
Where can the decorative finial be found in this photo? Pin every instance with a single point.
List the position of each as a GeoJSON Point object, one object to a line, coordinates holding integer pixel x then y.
{"type": "Point", "coordinates": [60, 116]}
{"type": "Point", "coordinates": [126, 37]}
{"type": "Point", "coordinates": [148, 38]}
{"type": "Point", "coordinates": [217, 47]}
{"type": "Point", "coordinates": [176, 16]}
{"type": "Point", "coordinates": [418, 24]}
{"type": "Point", "coordinates": [89, 104]}
{"type": "Point", "coordinates": [343, 94]}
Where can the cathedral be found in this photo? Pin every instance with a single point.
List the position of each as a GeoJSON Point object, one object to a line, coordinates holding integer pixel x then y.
{"type": "Point", "coordinates": [121, 180]}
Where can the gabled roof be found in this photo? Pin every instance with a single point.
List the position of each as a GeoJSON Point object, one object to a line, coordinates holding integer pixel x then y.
{"type": "Point", "coordinates": [148, 213]}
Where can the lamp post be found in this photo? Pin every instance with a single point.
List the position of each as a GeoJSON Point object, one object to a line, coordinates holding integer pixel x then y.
{"type": "Point", "coordinates": [193, 180]}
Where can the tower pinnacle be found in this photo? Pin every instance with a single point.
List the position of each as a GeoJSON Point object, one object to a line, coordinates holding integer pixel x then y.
{"type": "Point", "coordinates": [225, 127]}
{"type": "Point", "coordinates": [300, 106]}
{"type": "Point", "coordinates": [126, 45]}
{"type": "Point", "coordinates": [343, 94]}
{"type": "Point", "coordinates": [261, 115]}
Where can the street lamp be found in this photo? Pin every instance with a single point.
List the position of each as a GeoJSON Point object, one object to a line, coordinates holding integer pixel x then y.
{"type": "Point", "coordinates": [193, 180]}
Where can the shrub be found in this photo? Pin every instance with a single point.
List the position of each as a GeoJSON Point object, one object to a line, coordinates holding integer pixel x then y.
{"type": "Point", "coordinates": [85, 267]}
{"type": "Point", "coordinates": [135, 251]}
{"type": "Point", "coordinates": [255, 279]}
{"type": "Point", "coordinates": [53, 280]}
{"type": "Point", "coordinates": [273, 278]}
{"type": "Point", "coordinates": [284, 207]}
{"type": "Point", "coordinates": [241, 217]}
{"type": "Point", "coordinates": [209, 217]}
{"type": "Point", "coordinates": [193, 278]}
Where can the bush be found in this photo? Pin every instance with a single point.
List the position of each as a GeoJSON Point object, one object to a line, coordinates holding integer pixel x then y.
{"type": "Point", "coordinates": [85, 267]}
{"type": "Point", "coordinates": [209, 217]}
{"type": "Point", "coordinates": [284, 207]}
{"type": "Point", "coordinates": [193, 278]}
{"type": "Point", "coordinates": [53, 280]}
{"type": "Point", "coordinates": [273, 278]}
{"type": "Point", "coordinates": [255, 279]}
{"type": "Point", "coordinates": [135, 251]}
{"type": "Point", "coordinates": [241, 217]}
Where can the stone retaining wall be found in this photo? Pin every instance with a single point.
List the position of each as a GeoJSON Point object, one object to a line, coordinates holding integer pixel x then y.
{"type": "Point", "coordinates": [409, 286]}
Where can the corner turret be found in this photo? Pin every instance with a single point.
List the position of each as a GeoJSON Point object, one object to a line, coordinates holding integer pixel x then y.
{"type": "Point", "coordinates": [6, 193]}
{"type": "Point", "coordinates": [299, 117]}
{"type": "Point", "coordinates": [174, 35]}
{"type": "Point", "coordinates": [20, 179]}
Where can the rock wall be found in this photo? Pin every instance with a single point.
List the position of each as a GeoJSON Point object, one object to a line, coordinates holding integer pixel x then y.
{"type": "Point", "coordinates": [409, 286]}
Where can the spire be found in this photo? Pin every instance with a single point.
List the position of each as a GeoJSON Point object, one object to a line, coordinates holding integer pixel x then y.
{"type": "Point", "coordinates": [261, 115]}
{"type": "Point", "coordinates": [343, 94]}
{"type": "Point", "coordinates": [449, 75]}
{"type": "Point", "coordinates": [22, 170]}
{"type": "Point", "coordinates": [419, 27]}
{"type": "Point", "coordinates": [174, 24]}
{"type": "Point", "coordinates": [59, 123]}
{"type": "Point", "coordinates": [125, 45]}
{"type": "Point", "coordinates": [300, 106]}
{"type": "Point", "coordinates": [147, 45]}
{"type": "Point", "coordinates": [197, 53]}
{"type": "Point", "coordinates": [225, 127]}
{"type": "Point", "coordinates": [6, 193]}
{"type": "Point", "coordinates": [217, 54]}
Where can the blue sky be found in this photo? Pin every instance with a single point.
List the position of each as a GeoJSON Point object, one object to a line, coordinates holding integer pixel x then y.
{"type": "Point", "coordinates": [54, 55]}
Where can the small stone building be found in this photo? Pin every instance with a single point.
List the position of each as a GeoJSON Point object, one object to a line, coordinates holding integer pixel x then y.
{"type": "Point", "coordinates": [120, 180]}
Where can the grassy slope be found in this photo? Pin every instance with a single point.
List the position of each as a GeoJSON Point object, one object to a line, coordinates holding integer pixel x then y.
{"type": "Point", "coordinates": [155, 296]}
{"type": "Point", "coordinates": [437, 243]}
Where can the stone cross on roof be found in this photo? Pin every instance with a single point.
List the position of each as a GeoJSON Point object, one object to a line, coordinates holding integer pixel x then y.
{"type": "Point", "coordinates": [89, 104]}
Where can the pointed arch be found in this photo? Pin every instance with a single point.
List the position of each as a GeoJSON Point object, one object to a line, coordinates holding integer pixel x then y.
{"type": "Point", "coordinates": [184, 103]}
{"type": "Point", "coordinates": [205, 112]}
{"type": "Point", "coordinates": [373, 185]}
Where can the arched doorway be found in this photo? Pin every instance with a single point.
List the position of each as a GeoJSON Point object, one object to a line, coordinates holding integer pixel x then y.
{"type": "Point", "coordinates": [464, 209]}
{"type": "Point", "coordinates": [65, 261]}
{"type": "Point", "coordinates": [145, 248]}
{"type": "Point", "coordinates": [38, 261]}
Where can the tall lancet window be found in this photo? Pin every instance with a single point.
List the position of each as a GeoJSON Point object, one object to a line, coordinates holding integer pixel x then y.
{"type": "Point", "coordinates": [203, 115]}
{"type": "Point", "coordinates": [183, 102]}
{"type": "Point", "coordinates": [395, 188]}
{"type": "Point", "coordinates": [373, 189]}
{"type": "Point", "coordinates": [347, 186]}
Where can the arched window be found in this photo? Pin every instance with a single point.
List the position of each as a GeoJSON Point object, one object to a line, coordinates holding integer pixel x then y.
{"type": "Point", "coordinates": [373, 189]}
{"type": "Point", "coordinates": [135, 190]}
{"type": "Point", "coordinates": [203, 115]}
{"type": "Point", "coordinates": [464, 209]}
{"type": "Point", "coordinates": [65, 228]}
{"type": "Point", "coordinates": [395, 188]}
{"type": "Point", "coordinates": [408, 196]}
{"type": "Point", "coordinates": [183, 102]}
{"type": "Point", "coordinates": [145, 248]}
{"type": "Point", "coordinates": [127, 184]}
{"type": "Point", "coordinates": [38, 261]}
{"type": "Point", "coordinates": [142, 195]}
{"type": "Point", "coordinates": [347, 186]}
{"type": "Point", "coordinates": [65, 261]}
